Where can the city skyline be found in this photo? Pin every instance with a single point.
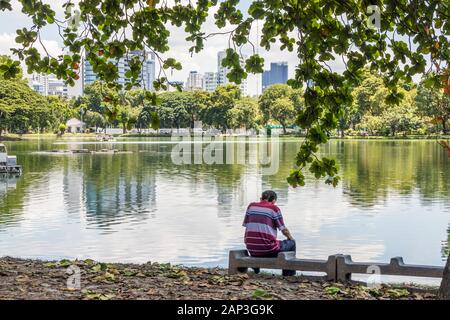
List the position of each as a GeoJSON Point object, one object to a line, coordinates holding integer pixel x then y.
{"type": "Point", "coordinates": [210, 80]}
{"type": "Point", "coordinates": [207, 81]}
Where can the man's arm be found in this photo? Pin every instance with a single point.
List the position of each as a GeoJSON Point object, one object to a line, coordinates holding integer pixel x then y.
{"type": "Point", "coordinates": [287, 234]}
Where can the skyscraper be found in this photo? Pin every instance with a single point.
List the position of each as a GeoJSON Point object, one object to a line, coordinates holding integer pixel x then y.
{"type": "Point", "coordinates": [48, 85]}
{"type": "Point", "coordinates": [194, 81]}
{"type": "Point", "coordinates": [210, 80]}
{"type": "Point", "coordinates": [278, 74]}
{"type": "Point", "coordinates": [145, 79]}
{"type": "Point", "coordinates": [222, 72]}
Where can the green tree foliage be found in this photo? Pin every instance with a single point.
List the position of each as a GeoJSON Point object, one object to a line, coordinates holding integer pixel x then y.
{"type": "Point", "coordinates": [370, 114]}
{"type": "Point", "coordinates": [271, 94]}
{"type": "Point", "coordinates": [10, 69]}
{"type": "Point", "coordinates": [402, 118]}
{"type": "Point", "coordinates": [173, 109]}
{"type": "Point", "coordinates": [280, 103]}
{"type": "Point", "coordinates": [222, 101]}
{"type": "Point", "coordinates": [283, 112]}
{"type": "Point", "coordinates": [432, 102]}
{"type": "Point", "coordinates": [103, 105]}
{"type": "Point", "coordinates": [23, 110]}
{"type": "Point", "coordinates": [94, 119]}
{"type": "Point", "coordinates": [245, 114]}
{"type": "Point", "coordinates": [60, 111]}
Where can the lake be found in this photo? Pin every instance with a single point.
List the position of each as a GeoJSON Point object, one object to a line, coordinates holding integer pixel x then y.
{"type": "Point", "coordinates": [394, 200]}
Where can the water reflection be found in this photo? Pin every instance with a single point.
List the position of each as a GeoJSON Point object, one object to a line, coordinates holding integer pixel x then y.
{"type": "Point", "coordinates": [393, 200]}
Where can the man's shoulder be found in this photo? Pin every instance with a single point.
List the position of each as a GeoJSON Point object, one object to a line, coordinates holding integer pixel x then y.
{"type": "Point", "coordinates": [266, 205]}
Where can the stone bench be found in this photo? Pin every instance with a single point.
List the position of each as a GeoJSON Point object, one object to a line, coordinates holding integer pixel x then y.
{"type": "Point", "coordinates": [396, 267]}
{"type": "Point", "coordinates": [338, 267]}
{"type": "Point", "coordinates": [240, 261]}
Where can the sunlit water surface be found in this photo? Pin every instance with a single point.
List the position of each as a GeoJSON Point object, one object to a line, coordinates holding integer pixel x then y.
{"type": "Point", "coordinates": [394, 200]}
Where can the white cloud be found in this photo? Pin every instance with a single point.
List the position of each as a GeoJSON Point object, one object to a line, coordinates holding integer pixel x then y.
{"type": "Point", "coordinates": [7, 42]}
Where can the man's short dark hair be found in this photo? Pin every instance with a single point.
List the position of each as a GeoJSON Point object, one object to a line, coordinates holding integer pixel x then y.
{"type": "Point", "coordinates": [269, 195]}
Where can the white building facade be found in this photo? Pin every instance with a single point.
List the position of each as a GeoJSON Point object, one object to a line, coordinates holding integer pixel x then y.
{"type": "Point", "coordinates": [222, 72]}
{"type": "Point", "coordinates": [210, 81]}
{"type": "Point", "coordinates": [194, 81]}
{"type": "Point", "coordinates": [48, 85]}
{"type": "Point", "coordinates": [145, 80]}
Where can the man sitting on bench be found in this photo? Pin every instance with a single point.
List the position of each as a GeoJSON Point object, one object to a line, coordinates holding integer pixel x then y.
{"type": "Point", "coordinates": [262, 220]}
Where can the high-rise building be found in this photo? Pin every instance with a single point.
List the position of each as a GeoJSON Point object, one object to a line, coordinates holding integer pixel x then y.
{"type": "Point", "coordinates": [145, 79]}
{"type": "Point", "coordinates": [222, 72]}
{"type": "Point", "coordinates": [48, 85]}
{"type": "Point", "coordinates": [278, 74]}
{"type": "Point", "coordinates": [210, 80]}
{"type": "Point", "coordinates": [194, 81]}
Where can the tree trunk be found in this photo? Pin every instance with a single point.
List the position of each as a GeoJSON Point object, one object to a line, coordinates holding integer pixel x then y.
{"type": "Point", "coordinates": [444, 291]}
{"type": "Point", "coordinates": [284, 128]}
{"type": "Point", "coordinates": [124, 128]}
{"type": "Point", "coordinates": [445, 125]}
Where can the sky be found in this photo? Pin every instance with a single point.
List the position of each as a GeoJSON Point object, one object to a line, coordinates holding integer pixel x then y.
{"type": "Point", "coordinates": [202, 62]}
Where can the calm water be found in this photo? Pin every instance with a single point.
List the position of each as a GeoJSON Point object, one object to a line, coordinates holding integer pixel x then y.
{"type": "Point", "coordinates": [394, 200]}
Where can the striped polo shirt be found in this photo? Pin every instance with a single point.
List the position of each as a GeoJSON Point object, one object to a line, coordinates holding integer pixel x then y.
{"type": "Point", "coordinates": [261, 222]}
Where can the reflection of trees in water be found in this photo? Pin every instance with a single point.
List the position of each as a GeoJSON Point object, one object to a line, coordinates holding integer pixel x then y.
{"type": "Point", "coordinates": [12, 195]}
{"type": "Point", "coordinates": [37, 169]}
{"type": "Point", "coordinates": [372, 169]}
{"type": "Point", "coordinates": [114, 187]}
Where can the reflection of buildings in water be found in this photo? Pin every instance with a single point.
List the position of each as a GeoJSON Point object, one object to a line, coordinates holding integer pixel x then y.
{"type": "Point", "coordinates": [234, 197]}
{"type": "Point", "coordinates": [73, 191]}
{"type": "Point", "coordinates": [253, 158]}
{"type": "Point", "coordinates": [132, 199]}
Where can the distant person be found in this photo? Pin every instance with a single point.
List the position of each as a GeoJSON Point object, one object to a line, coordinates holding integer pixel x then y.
{"type": "Point", "coordinates": [262, 220]}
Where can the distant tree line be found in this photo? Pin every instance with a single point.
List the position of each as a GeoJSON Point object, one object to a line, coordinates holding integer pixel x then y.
{"type": "Point", "coordinates": [423, 110]}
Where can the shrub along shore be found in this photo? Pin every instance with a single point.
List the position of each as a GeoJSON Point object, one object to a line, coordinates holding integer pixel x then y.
{"type": "Point", "coordinates": [34, 279]}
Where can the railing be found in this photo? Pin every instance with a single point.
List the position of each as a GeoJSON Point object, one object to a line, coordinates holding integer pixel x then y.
{"type": "Point", "coordinates": [338, 267]}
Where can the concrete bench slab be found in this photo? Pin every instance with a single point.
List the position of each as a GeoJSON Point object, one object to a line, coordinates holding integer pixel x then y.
{"type": "Point", "coordinates": [240, 261]}
{"type": "Point", "coordinates": [338, 267]}
{"type": "Point", "coordinates": [396, 267]}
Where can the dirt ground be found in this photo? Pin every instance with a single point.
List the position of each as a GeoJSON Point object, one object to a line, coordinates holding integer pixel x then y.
{"type": "Point", "coordinates": [56, 280]}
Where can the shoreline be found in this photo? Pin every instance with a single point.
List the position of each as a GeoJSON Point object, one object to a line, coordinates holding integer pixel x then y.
{"type": "Point", "coordinates": [27, 137]}
{"type": "Point", "coordinates": [38, 279]}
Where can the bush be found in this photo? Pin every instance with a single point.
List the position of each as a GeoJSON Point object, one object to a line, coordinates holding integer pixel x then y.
{"type": "Point", "coordinates": [62, 128]}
